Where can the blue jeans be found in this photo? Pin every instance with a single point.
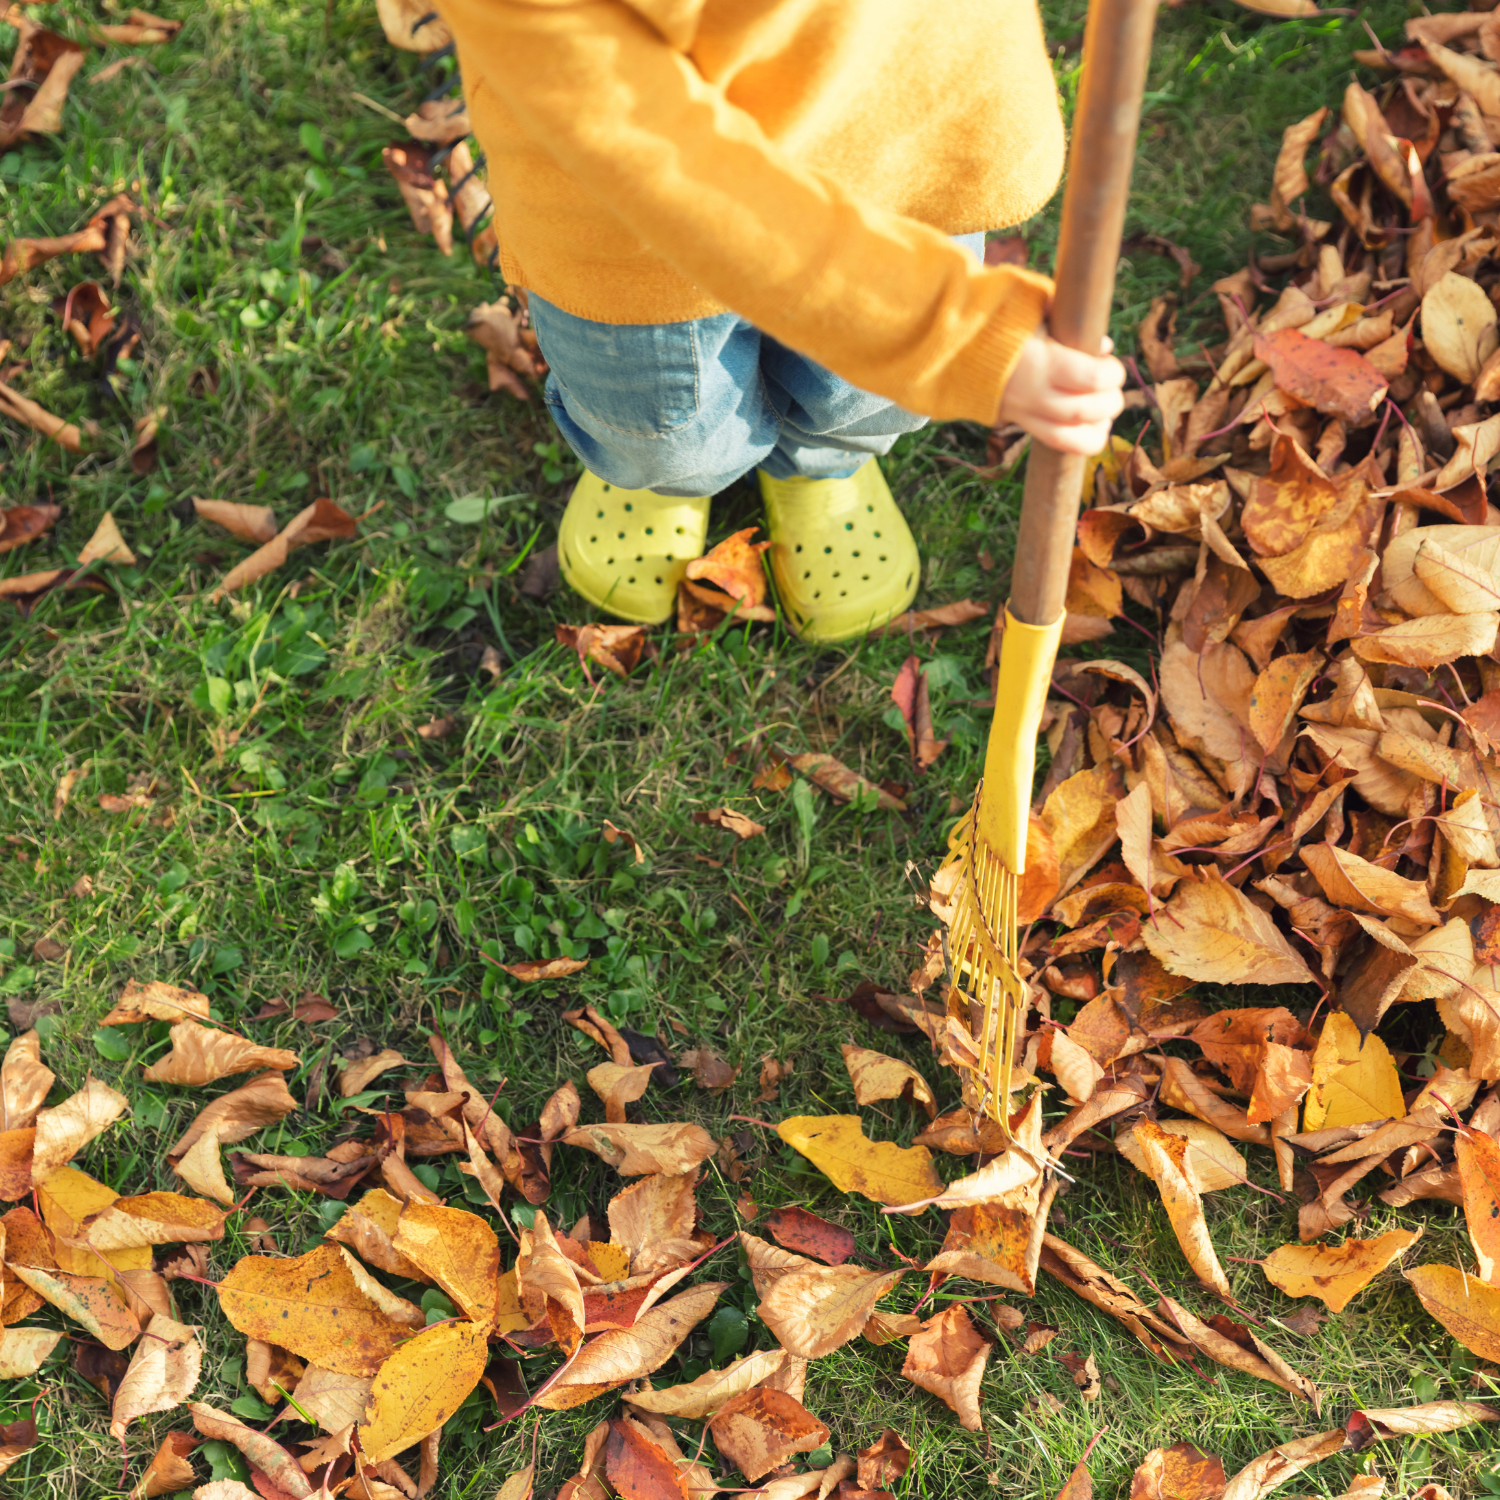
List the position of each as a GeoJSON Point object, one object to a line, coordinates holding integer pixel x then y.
{"type": "Point", "coordinates": [687, 408]}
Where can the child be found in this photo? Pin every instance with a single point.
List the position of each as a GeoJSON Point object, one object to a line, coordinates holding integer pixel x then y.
{"type": "Point", "coordinates": [736, 222]}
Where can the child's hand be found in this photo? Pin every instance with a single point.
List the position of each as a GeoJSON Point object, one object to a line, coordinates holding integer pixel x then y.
{"type": "Point", "coordinates": [1064, 399]}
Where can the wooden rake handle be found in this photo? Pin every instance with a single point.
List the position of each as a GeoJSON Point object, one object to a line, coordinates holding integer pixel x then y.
{"type": "Point", "coordinates": [1116, 52]}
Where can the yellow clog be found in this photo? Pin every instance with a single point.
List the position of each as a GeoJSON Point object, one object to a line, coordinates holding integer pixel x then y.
{"type": "Point", "coordinates": [626, 551]}
{"type": "Point", "coordinates": [842, 555]}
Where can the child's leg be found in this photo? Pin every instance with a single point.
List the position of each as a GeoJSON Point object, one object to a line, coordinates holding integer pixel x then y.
{"type": "Point", "coordinates": [675, 408]}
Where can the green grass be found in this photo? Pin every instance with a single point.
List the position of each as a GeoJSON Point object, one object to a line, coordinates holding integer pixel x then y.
{"type": "Point", "coordinates": [314, 841]}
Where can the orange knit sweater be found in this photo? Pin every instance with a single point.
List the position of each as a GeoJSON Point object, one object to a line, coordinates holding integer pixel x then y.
{"type": "Point", "coordinates": [800, 162]}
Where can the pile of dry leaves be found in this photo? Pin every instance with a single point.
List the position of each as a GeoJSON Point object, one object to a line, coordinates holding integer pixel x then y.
{"type": "Point", "coordinates": [363, 1384]}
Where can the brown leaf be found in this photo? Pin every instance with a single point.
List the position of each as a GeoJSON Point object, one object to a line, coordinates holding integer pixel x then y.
{"type": "Point", "coordinates": [835, 778]}
{"type": "Point", "coordinates": [201, 1054]}
{"type": "Point", "coordinates": [1164, 1161]}
{"type": "Point", "coordinates": [761, 1429]}
{"type": "Point", "coordinates": [322, 521]}
{"type": "Point", "coordinates": [1367, 1426]}
{"type": "Point", "coordinates": [1237, 1348]}
{"type": "Point", "coordinates": [1431, 640]}
{"type": "Point", "coordinates": [1339, 382]}
{"type": "Point", "coordinates": [633, 1150]}
{"type": "Point", "coordinates": [736, 822]}
{"type": "Point", "coordinates": [876, 1076]}
{"type": "Point", "coordinates": [623, 1354]}
{"type": "Point", "coordinates": [885, 1460]}
{"type": "Point", "coordinates": [260, 1102]}
{"type": "Point", "coordinates": [250, 523]}
{"type": "Point", "coordinates": [265, 1453]}
{"type": "Point", "coordinates": [805, 1233]}
{"type": "Point", "coordinates": [360, 1074]}
{"type": "Point", "coordinates": [813, 1310]}
{"type": "Point", "coordinates": [772, 1071]}
{"type": "Point", "coordinates": [617, 648]}
{"type": "Point", "coordinates": [735, 570]}
{"type": "Point", "coordinates": [533, 970]}
{"type": "Point", "coordinates": [22, 255]}
{"type": "Point", "coordinates": [947, 1359]}
{"type": "Point", "coordinates": [171, 1467]}
{"type": "Point", "coordinates": [960, 612]}
{"type": "Point", "coordinates": [652, 1220]}
{"type": "Point", "coordinates": [163, 1373]}
{"type": "Point", "coordinates": [510, 348]}
{"type": "Point", "coordinates": [312, 1305]}
{"type": "Point", "coordinates": [618, 1086]}
{"type": "Point", "coordinates": [1181, 1472]}
{"type": "Point", "coordinates": [155, 1001]}
{"type": "Point", "coordinates": [1273, 1468]}
{"type": "Point", "coordinates": [47, 63]}
{"type": "Point", "coordinates": [710, 1071]}
{"type": "Point", "coordinates": [910, 695]}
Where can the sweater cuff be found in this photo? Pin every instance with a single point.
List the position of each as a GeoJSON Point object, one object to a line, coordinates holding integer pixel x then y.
{"type": "Point", "coordinates": [986, 365]}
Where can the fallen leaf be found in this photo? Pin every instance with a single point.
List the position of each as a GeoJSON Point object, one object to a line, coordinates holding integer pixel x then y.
{"type": "Point", "coordinates": [250, 523]}
{"type": "Point", "coordinates": [24, 1082]}
{"type": "Point", "coordinates": [639, 1468]}
{"type": "Point", "coordinates": [458, 1251]}
{"type": "Point", "coordinates": [65, 1129]}
{"type": "Point", "coordinates": [947, 1359]}
{"type": "Point", "coordinates": [163, 1373]}
{"type": "Point", "coordinates": [807, 1234]}
{"type": "Point", "coordinates": [653, 1219]}
{"type": "Point", "coordinates": [618, 1086]}
{"type": "Point", "coordinates": [1458, 326]}
{"type": "Point", "coordinates": [1181, 1472]}
{"type": "Point", "coordinates": [265, 1453]}
{"type": "Point", "coordinates": [1354, 1081]}
{"type": "Point", "coordinates": [155, 1001]}
{"type": "Point", "coordinates": [1210, 1162]}
{"type": "Point", "coordinates": [1467, 1307]}
{"type": "Point", "coordinates": [617, 648]}
{"type": "Point", "coordinates": [709, 1070]}
{"type": "Point", "coordinates": [533, 970]}
{"type": "Point", "coordinates": [312, 1305]}
{"type": "Point", "coordinates": [322, 521]}
{"type": "Point", "coordinates": [240, 1113]}
{"type": "Point", "coordinates": [813, 1310]}
{"type": "Point", "coordinates": [1211, 931]}
{"type": "Point", "coordinates": [1079, 820]}
{"type": "Point", "coordinates": [835, 778]}
{"type": "Point", "coordinates": [89, 1300]}
{"type": "Point", "coordinates": [623, 1354]}
{"type": "Point", "coordinates": [735, 822]}
{"type": "Point", "coordinates": [876, 1076]}
{"type": "Point", "coordinates": [1164, 1161]}
{"type": "Point", "coordinates": [1273, 1468]}
{"type": "Point", "coordinates": [735, 570]}
{"type": "Point", "coordinates": [153, 1219]}
{"type": "Point", "coordinates": [22, 1350]}
{"type": "Point", "coordinates": [421, 1385]}
{"type": "Point", "coordinates": [201, 1054]}
{"type": "Point", "coordinates": [170, 1468]}
{"type": "Point", "coordinates": [879, 1170]}
{"type": "Point", "coordinates": [369, 1229]}
{"type": "Point", "coordinates": [885, 1460]}
{"type": "Point", "coordinates": [1335, 1274]}
{"type": "Point", "coordinates": [704, 1396]}
{"type": "Point", "coordinates": [360, 1074]}
{"type": "Point", "coordinates": [41, 70]}
{"type": "Point", "coordinates": [511, 358]}
{"type": "Point", "coordinates": [636, 1149]}
{"type": "Point", "coordinates": [1236, 1347]}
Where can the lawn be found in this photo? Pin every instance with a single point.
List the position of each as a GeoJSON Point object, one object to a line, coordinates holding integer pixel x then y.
{"type": "Point", "coordinates": [302, 340]}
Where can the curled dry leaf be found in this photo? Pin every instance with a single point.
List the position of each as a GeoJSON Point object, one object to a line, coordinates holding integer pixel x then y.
{"type": "Point", "coordinates": [64, 1130]}
{"type": "Point", "coordinates": [947, 1359]}
{"type": "Point", "coordinates": [838, 1147]}
{"type": "Point", "coordinates": [250, 523]}
{"type": "Point", "coordinates": [1164, 1160]}
{"type": "Point", "coordinates": [839, 781]}
{"type": "Point", "coordinates": [322, 521]}
{"type": "Point", "coordinates": [616, 648]}
{"type": "Point", "coordinates": [534, 970]}
{"type": "Point", "coordinates": [153, 1219]}
{"type": "Point", "coordinates": [548, 1285]}
{"type": "Point", "coordinates": [624, 1354]}
{"type": "Point", "coordinates": [633, 1150]}
{"type": "Point", "coordinates": [884, 1461]}
{"type": "Point", "coordinates": [704, 1396]}
{"type": "Point", "coordinates": [617, 1087]}
{"type": "Point", "coordinates": [265, 1453]}
{"type": "Point", "coordinates": [239, 1114]}
{"type": "Point", "coordinates": [421, 1385]}
{"type": "Point", "coordinates": [171, 1468]}
{"type": "Point", "coordinates": [202, 1054]}
{"type": "Point", "coordinates": [163, 1373]}
{"type": "Point", "coordinates": [155, 1001]}
{"type": "Point", "coordinates": [876, 1076]}
{"type": "Point", "coordinates": [360, 1074]}
{"type": "Point", "coordinates": [369, 1229]}
{"type": "Point", "coordinates": [1210, 1162]}
{"type": "Point", "coordinates": [24, 1083]}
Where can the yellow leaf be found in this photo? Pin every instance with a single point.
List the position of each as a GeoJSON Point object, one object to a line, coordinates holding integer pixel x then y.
{"type": "Point", "coordinates": [421, 1385]}
{"type": "Point", "coordinates": [1353, 1084]}
{"type": "Point", "coordinates": [1079, 817]}
{"type": "Point", "coordinates": [1478, 1159]}
{"type": "Point", "coordinates": [876, 1077]}
{"type": "Point", "coordinates": [1211, 931]}
{"type": "Point", "coordinates": [1210, 1162]}
{"type": "Point", "coordinates": [1467, 1307]}
{"type": "Point", "coordinates": [1164, 1160]}
{"type": "Point", "coordinates": [837, 1146]}
{"type": "Point", "coordinates": [65, 1129]}
{"type": "Point", "coordinates": [457, 1250]}
{"type": "Point", "coordinates": [815, 1309]}
{"type": "Point", "coordinates": [1335, 1273]}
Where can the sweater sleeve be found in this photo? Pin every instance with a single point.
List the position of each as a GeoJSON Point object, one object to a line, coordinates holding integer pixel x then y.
{"type": "Point", "coordinates": [886, 302]}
